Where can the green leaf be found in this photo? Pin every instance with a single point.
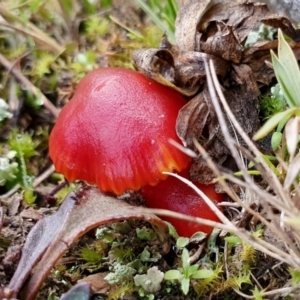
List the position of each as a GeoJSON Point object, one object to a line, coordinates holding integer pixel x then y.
{"type": "Point", "coordinates": [282, 123]}
{"type": "Point", "coordinates": [233, 240]}
{"type": "Point", "coordinates": [147, 234]}
{"type": "Point", "coordinates": [185, 285]}
{"type": "Point", "coordinates": [182, 242]}
{"type": "Point", "coordinates": [203, 274]}
{"type": "Point", "coordinates": [173, 274]}
{"type": "Point", "coordinates": [271, 165]}
{"type": "Point", "coordinates": [291, 67]}
{"type": "Point", "coordinates": [283, 79]}
{"type": "Point", "coordinates": [276, 140]}
{"type": "Point", "coordinates": [191, 270]}
{"type": "Point", "coordinates": [173, 5]}
{"type": "Point", "coordinates": [295, 276]}
{"type": "Point", "coordinates": [185, 258]}
{"type": "Point", "coordinates": [273, 122]}
{"type": "Point", "coordinates": [172, 230]}
{"type": "Point", "coordinates": [198, 237]}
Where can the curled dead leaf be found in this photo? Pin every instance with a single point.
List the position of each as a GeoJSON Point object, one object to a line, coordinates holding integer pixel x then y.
{"type": "Point", "coordinates": [241, 17]}
{"type": "Point", "coordinates": [52, 236]}
{"type": "Point", "coordinates": [186, 24]}
{"type": "Point", "coordinates": [191, 120]}
{"type": "Point", "coordinates": [278, 21]}
{"type": "Point", "coordinates": [224, 44]}
{"type": "Point", "coordinates": [180, 70]}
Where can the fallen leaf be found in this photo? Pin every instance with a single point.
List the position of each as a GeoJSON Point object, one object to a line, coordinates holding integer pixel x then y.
{"type": "Point", "coordinates": [278, 21]}
{"type": "Point", "coordinates": [52, 236]}
{"type": "Point", "coordinates": [180, 70]}
{"type": "Point", "coordinates": [224, 43]}
{"type": "Point", "coordinates": [241, 17]}
{"type": "Point", "coordinates": [191, 120]}
{"type": "Point", "coordinates": [186, 23]}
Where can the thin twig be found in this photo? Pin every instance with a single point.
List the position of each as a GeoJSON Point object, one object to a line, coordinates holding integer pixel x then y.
{"type": "Point", "coordinates": [32, 88]}
{"type": "Point", "coordinates": [208, 201]}
{"type": "Point", "coordinates": [43, 176]}
{"type": "Point", "coordinates": [192, 259]}
{"type": "Point", "coordinates": [10, 192]}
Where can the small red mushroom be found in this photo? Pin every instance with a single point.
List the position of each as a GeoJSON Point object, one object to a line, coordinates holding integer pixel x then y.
{"type": "Point", "coordinates": [175, 195]}
{"type": "Point", "coordinates": [115, 131]}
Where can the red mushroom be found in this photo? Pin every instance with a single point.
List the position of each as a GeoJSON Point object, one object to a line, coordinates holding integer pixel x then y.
{"type": "Point", "coordinates": [175, 195]}
{"type": "Point", "coordinates": [115, 131]}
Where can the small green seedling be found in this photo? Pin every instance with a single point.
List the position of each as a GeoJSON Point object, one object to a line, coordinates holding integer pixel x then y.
{"type": "Point", "coordinates": [187, 272]}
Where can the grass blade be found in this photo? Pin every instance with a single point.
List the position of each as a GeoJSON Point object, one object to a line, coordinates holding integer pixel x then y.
{"type": "Point", "coordinates": [273, 122]}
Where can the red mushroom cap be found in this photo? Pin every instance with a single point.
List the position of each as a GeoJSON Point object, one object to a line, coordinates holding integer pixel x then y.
{"type": "Point", "coordinates": [173, 194]}
{"type": "Point", "coordinates": [115, 131]}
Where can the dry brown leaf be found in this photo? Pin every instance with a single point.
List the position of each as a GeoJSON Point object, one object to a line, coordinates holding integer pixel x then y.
{"type": "Point", "coordinates": [224, 44]}
{"type": "Point", "coordinates": [186, 24]}
{"type": "Point", "coordinates": [191, 120]}
{"type": "Point", "coordinates": [241, 17]}
{"type": "Point", "coordinates": [180, 70]}
{"type": "Point", "coordinates": [278, 21]}
{"type": "Point", "coordinates": [52, 236]}
{"type": "Point", "coordinates": [258, 58]}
